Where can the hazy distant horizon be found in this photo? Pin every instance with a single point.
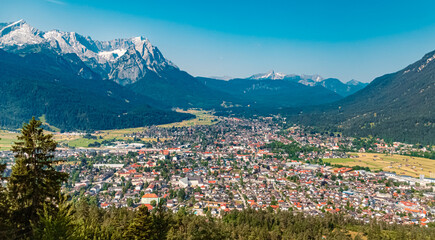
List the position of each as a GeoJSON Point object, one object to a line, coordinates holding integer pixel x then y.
{"type": "Point", "coordinates": [335, 40]}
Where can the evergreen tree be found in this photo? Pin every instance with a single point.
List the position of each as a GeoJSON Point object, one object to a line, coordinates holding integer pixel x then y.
{"type": "Point", "coordinates": [33, 183]}
{"type": "Point", "coordinates": [142, 226]}
{"type": "Point", "coordinates": [59, 225]}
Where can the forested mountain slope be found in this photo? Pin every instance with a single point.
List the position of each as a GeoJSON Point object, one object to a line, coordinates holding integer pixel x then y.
{"type": "Point", "coordinates": [398, 106]}
{"type": "Point", "coordinates": [42, 83]}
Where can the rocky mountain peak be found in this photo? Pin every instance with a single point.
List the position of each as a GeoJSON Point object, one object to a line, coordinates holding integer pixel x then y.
{"type": "Point", "coordinates": [127, 59]}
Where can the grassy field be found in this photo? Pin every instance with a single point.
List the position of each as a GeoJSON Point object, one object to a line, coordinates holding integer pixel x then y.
{"type": "Point", "coordinates": [402, 165]}
{"type": "Point", "coordinates": [6, 139]}
{"type": "Point", "coordinates": [202, 118]}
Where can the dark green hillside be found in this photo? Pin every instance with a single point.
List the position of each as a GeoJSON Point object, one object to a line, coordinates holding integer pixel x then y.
{"type": "Point", "coordinates": [179, 89]}
{"type": "Point", "coordinates": [40, 83]}
{"type": "Point", "coordinates": [398, 106]}
{"type": "Point", "coordinates": [272, 93]}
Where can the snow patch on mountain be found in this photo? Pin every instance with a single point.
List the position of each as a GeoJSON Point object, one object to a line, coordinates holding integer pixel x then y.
{"type": "Point", "coordinates": [112, 55]}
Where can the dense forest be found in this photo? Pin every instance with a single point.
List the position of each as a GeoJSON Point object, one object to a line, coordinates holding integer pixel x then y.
{"type": "Point", "coordinates": [83, 220]}
{"type": "Point", "coordinates": [32, 206]}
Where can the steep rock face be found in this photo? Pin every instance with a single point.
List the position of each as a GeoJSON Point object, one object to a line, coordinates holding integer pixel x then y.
{"type": "Point", "coordinates": [124, 61]}
{"type": "Point", "coordinates": [128, 68]}
{"type": "Point", "coordinates": [138, 60]}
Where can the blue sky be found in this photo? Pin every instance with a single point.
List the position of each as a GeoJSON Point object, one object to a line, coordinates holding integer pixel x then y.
{"type": "Point", "coordinates": [344, 39]}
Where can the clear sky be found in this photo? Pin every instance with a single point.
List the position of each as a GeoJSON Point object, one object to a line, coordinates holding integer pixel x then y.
{"type": "Point", "coordinates": [353, 39]}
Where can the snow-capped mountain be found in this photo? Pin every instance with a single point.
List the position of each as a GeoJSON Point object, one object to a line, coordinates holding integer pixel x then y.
{"type": "Point", "coordinates": [308, 80]}
{"type": "Point", "coordinates": [19, 33]}
{"type": "Point", "coordinates": [123, 60]}
{"type": "Point", "coordinates": [272, 75]}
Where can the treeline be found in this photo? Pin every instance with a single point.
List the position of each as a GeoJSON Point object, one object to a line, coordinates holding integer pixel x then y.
{"type": "Point", "coordinates": [429, 154]}
{"type": "Point", "coordinates": [87, 221]}
{"type": "Point", "coordinates": [33, 207]}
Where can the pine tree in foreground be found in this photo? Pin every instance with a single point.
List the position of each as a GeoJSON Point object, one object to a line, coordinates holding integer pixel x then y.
{"type": "Point", "coordinates": [34, 184]}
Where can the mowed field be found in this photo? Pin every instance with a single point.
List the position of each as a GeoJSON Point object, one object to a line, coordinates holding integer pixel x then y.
{"type": "Point", "coordinates": [6, 139]}
{"type": "Point", "coordinates": [202, 118]}
{"type": "Point", "coordinates": [402, 165]}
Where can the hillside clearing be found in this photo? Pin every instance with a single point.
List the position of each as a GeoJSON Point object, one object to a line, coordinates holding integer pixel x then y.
{"type": "Point", "coordinates": [201, 118]}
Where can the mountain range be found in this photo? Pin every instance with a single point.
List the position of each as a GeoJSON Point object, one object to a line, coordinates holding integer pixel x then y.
{"type": "Point", "coordinates": [333, 84]}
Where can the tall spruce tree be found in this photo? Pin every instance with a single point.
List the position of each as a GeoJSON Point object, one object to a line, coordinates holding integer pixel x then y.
{"type": "Point", "coordinates": [33, 183]}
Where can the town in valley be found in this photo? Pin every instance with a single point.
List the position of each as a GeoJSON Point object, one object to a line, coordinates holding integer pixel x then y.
{"type": "Point", "coordinates": [262, 163]}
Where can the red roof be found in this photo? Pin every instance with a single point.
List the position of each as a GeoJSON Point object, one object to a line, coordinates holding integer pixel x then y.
{"type": "Point", "coordinates": [148, 206]}
{"type": "Point", "coordinates": [150, 195]}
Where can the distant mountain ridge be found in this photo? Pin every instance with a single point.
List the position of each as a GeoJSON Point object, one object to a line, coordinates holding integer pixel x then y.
{"type": "Point", "coordinates": [343, 89]}
{"type": "Point", "coordinates": [272, 75]}
{"type": "Point", "coordinates": [272, 94]}
{"type": "Point", "coordinates": [333, 84]}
